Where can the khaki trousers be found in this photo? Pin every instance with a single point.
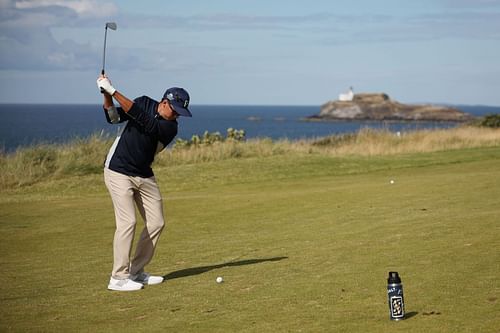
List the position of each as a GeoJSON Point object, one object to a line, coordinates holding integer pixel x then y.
{"type": "Point", "coordinates": [126, 191]}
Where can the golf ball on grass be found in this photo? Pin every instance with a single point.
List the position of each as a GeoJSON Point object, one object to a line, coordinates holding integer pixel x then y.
{"type": "Point", "coordinates": [392, 181]}
{"type": "Point", "coordinates": [219, 279]}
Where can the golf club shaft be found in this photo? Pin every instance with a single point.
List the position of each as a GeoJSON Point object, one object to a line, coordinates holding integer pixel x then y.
{"type": "Point", "coordinates": [111, 25]}
{"type": "Point", "coordinates": [104, 50]}
{"type": "Point", "coordinates": [104, 54]}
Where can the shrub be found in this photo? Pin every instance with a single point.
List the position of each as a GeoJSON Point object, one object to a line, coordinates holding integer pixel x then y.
{"type": "Point", "coordinates": [335, 140]}
{"type": "Point", "coordinates": [211, 138]}
{"type": "Point", "coordinates": [492, 120]}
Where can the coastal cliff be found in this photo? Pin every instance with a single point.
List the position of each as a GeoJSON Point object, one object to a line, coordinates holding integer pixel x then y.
{"type": "Point", "coordinates": [378, 106]}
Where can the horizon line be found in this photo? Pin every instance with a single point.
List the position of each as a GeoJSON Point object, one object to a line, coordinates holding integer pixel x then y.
{"type": "Point", "coordinates": [249, 105]}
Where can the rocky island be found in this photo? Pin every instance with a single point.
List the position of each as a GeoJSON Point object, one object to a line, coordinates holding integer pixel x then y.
{"type": "Point", "coordinates": [378, 106]}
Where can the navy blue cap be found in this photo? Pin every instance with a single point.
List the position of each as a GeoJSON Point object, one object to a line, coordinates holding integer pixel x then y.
{"type": "Point", "coordinates": [179, 100]}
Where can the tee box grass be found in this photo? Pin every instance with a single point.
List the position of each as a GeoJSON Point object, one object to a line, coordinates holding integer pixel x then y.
{"type": "Point", "coordinates": [304, 244]}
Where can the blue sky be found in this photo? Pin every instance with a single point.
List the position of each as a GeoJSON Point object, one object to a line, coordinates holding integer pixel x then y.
{"type": "Point", "coordinates": [252, 51]}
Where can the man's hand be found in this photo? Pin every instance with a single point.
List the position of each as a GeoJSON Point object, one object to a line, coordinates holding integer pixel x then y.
{"type": "Point", "coordinates": [104, 84]}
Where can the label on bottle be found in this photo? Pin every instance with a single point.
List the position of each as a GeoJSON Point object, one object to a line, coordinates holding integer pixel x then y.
{"type": "Point", "coordinates": [397, 307]}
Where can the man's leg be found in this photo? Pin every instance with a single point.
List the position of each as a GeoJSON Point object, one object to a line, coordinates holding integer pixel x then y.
{"type": "Point", "coordinates": [121, 189]}
{"type": "Point", "coordinates": [149, 203]}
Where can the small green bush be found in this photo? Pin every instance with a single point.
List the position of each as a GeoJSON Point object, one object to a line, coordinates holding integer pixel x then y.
{"type": "Point", "coordinates": [491, 120]}
{"type": "Point", "coordinates": [335, 140]}
{"type": "Point", "coordinates": [208, 139]}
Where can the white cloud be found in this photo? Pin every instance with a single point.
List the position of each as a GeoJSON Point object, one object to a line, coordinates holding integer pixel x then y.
{"type": "Point", "coordinates": [27, 41]}
{"type": "Point", "coordinates": [26, 38]}
{"type": "Point", "coordinates": [83, 8]}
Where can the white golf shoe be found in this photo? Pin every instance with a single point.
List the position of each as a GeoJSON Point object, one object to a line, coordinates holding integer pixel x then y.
{"type": "Point", "coordinates": [147, 279]}
{"type": "Point", "coordinates": [124, 285]}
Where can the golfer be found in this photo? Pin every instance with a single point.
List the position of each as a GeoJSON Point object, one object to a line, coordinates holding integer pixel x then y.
{"type": "Point", "coordinates": [150, 127]}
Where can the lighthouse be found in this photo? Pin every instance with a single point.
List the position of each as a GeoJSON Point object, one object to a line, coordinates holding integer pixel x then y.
{"type": "Point", "coordinates": [347, 97]}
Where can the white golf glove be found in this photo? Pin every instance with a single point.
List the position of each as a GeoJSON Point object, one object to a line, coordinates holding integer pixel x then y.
{"type": "Point", "coordinates": [103, 83]}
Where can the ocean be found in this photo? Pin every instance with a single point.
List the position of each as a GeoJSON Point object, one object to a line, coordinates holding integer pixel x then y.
{"type": "Point", "coordinates": [29, 124]}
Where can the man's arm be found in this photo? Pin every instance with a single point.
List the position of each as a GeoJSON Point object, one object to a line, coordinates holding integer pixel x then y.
{"type": "Point", "coordinates": [108, 100]}
{"type": "Point", "coordinates": [113, 115]}
{"type": "Point", "coordinates": [110, 92]}
{"type": "Point", "coordinates": [124, 102]}
{"type": "Point", "coordinates": [146, 120]}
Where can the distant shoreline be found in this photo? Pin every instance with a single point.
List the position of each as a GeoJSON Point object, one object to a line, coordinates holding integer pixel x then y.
{"type": "Point", "coordinates": [315, 119]}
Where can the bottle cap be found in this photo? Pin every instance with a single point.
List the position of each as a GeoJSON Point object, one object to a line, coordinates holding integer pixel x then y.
{"type": "Point", "coordinates": [393, 278]}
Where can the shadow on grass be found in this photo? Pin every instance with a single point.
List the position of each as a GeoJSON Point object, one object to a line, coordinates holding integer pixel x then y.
{"type": "Point", "coordinates": [412, 314]}
{"type": "Point", "coordinates": [203, 269]}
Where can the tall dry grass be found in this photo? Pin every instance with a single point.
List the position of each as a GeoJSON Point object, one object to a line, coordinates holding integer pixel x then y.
{"type": "Point", "coordinates": [368, 142]}
{"type": "Point", "coordinates": [34, 164]}
{"type": "Point", "coordinates": [222, 151]}
{"type": "Point", "coordinates": [29, 165]}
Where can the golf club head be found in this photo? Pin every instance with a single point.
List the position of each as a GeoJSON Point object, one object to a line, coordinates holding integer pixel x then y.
{"type": "Point", "coordinates": [111, 25]}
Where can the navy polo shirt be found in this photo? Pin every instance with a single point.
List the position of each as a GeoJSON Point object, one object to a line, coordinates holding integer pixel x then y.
{"type": "Point", "coordinates": [145, 134]}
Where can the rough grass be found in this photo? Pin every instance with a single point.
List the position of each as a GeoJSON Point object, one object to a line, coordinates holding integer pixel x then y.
{"type": "Point", "coordinates": [370, 142]}
{"type": "Point", "coordinates": [45, 162]}
{"type": "Point", "coordinates": [303, 237]}
{"type": "Point", "coordinates": [30, 165]}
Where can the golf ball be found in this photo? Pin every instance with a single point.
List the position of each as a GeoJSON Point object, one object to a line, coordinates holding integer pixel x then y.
{"type": "Point", "coordinates": [392, 181]}
{"type": "Point", "coordinates": [219, 279]}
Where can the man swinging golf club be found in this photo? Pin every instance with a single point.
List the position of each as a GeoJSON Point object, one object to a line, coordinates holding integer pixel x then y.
{"type": "Point", "coordinates": [150, 127]}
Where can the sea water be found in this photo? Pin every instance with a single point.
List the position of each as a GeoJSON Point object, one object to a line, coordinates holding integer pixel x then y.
{"type": "Point", "coordinates": [28, 124]}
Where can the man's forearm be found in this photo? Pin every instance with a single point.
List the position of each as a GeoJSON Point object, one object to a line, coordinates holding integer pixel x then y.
{"type": "Point", "coordinates": [108, 101]}
{"type": "Point", "coordinates": [125, 103]}
{"type": "Point", "coordinates": [109, 92]}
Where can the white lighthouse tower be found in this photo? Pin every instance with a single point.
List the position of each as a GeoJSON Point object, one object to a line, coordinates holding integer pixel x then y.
{"type": "Point", "coordinates": [347, 97]}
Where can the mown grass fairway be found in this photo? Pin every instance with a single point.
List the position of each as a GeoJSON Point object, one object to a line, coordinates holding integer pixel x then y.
{"type": "Point", "coordinates": [304, 243]}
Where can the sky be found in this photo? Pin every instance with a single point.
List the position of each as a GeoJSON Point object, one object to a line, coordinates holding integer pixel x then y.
{"type": "Point", "coordinates": [252, 52]}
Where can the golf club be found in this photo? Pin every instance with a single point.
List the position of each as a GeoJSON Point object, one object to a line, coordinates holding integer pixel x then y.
{"type": "Point", "coordinates": [112, 26]}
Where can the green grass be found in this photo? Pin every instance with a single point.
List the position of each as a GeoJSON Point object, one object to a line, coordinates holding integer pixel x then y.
{"type": "Point", "coordinates": [304, 242]}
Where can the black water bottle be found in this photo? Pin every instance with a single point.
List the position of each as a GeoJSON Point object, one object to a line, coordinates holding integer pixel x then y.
{"type": "Point", "coordinates": [395, 296]}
